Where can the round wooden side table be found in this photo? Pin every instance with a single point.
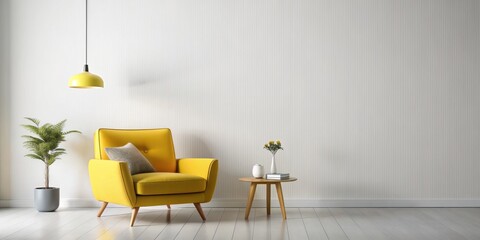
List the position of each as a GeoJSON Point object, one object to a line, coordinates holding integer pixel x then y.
{"type": "Point", "coordinates": [268, 182]}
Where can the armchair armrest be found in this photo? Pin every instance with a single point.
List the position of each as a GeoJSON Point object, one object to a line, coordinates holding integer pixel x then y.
{"type": "Point", "coordinates": [203, 167]}
{"type": "Point", "coordinates": [111, 182]}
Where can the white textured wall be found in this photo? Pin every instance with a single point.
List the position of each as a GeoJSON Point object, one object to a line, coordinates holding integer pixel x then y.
{"type": "Point", "coordinates": [4, 99]}
{"type": "Point", "coordinates": [373, 100]}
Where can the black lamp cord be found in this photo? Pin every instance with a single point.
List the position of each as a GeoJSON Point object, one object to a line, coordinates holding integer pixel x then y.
{"type": "Point", "coordinates": [85, 68]}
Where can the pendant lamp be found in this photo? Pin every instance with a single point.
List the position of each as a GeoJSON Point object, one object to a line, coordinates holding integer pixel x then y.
{"type": "Point", "coordinates": [85, 79]}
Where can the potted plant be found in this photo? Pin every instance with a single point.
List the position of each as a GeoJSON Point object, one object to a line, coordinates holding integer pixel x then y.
{"type": "Point", "coordinates": [44, 146]}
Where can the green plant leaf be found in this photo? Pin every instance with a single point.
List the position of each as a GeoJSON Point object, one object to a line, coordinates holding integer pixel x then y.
{"type": "Point", "coordinates": [71, 131]}
{"type": "Point", "coordinates": [60, 125]}
{"type": "Point", "coordinates": [34, 156]}
{"type": "Point", "coordinates": [32, 129]}
{"type": "Point", "coordinates": [32, 139]}
{"type": "Point", "coordinates": [57, 154]}
{"type": "Point", "coordinates": [44, 144]}
{"type": "Point", "coordinates": [34, 120]}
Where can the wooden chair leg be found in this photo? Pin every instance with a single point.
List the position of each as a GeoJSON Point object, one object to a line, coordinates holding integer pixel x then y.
{"type": "Point", "coordinates": [134, 215]}
{"type": "Point", "coordinates": [200, 211]}
{"type": "Point", "coordinates": [169, 215]}
{"type": "Point", "coordinates": [168, 206]}
{"type": "Point", "coordinates": [100, 212]}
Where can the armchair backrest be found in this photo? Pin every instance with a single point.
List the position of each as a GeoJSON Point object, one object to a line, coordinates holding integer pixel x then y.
{"type": "Point", "coordinates": [155, 144]}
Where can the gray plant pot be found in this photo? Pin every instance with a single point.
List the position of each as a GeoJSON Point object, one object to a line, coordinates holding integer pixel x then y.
{"type": "Point", "coordinates": [47, 199]}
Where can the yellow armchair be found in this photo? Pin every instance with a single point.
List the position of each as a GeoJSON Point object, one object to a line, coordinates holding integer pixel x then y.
{"type": "Point", "coordinates": [176, 181]}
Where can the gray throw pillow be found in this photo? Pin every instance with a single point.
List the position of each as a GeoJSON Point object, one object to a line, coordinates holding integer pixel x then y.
{"type": "Point", "coordinates": [130, 154]}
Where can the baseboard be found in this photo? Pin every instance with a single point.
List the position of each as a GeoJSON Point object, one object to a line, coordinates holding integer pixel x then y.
{"type": "Point", "coordinates": [300, 203]}
{"type": "Point", "coordinates": [307, 203]}
{"type": "Point", "coordinates": [16, 203]}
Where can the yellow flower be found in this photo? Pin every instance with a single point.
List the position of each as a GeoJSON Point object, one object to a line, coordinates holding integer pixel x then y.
{"type": "Point", "coordinates": [271, 142]}
{"type": "Point", "coordinates": [279, 143]}
{"type": "Point", "coordinates": [266, 145]}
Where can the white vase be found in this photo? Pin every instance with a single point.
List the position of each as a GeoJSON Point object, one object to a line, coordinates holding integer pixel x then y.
{"type": "Point", "coordinates": [273, 167]}
{"type": "Point", "coordinates": [258, 171]}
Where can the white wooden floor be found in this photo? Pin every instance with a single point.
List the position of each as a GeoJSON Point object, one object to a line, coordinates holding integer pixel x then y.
{"type": "Point", "coordinates": [229, 223]}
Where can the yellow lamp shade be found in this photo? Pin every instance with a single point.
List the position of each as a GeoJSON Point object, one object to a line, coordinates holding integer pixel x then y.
{"type": "Point", "coordinates": [85, 80]}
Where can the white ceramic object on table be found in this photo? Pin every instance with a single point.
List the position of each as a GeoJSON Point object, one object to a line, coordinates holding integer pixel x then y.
{"type": "Point", "coordinates": [258, 171]}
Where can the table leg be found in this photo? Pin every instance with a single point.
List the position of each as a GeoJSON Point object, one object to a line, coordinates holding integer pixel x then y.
{"type": "Point", "coordinates": [268, 198]}
{"type": "Point", "coordinates": [280, 199]}
{"type": "Point", "coordinates": [253, 187]}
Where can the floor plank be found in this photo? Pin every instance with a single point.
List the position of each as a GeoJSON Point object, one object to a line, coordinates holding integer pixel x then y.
{"type": "Point", "coordinates": [82, 216]}
{"type": "Point", "coordinates": [145, 218]}
{"type": "Point", "coordinates": [189, 231]}
{"type": "Point", "coordinates": [208, 229]}
{"type": "Point", "coordinates": [269, 226]}
{"type": "Point", "coordinates": [388, 225]}
{"type": "Point", "coordinates": [293, 213]}
{"type": "Point", "coordinates": [365, 222]}
{"type": "Point", "coordinates": [296, 229]}
{"type": "Point", "coordinates": [18, 222]}
{"type": "Point", "coordinates": [157, 225]}
{"type": "Point", "coordinates": [333, 230]}
{"type": "Point", "coordinates": [351, 228]}
{"type": "Point", "coordinates": [295, 224]}
{"type": "Point", "coordinates": [435, 230]}
{"type": "Point", "coordinates": [94, 229]}
{"type": "Point", "coordinates": [307, 213]}
{"type": "Point", "coordinates": [458, 224]}
{"type": "Point", "coordinates": [243, 228]}
{"type": "Point", "coordinates": [418, 229]}
{"type": "Point", "coordinates": [176, 224]}
{"type": "Point", "coordinates": [44, 225]}
{"type": "Point", "coordinates": [315, 229]}
{"type": "Point", "coordinates": [229, 223]}
{"type": "Point", "coordinates": [7, 215]}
